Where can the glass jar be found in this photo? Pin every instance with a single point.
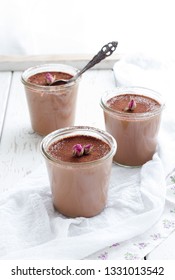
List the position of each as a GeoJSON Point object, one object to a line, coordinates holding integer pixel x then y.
{"type": "Point", "coordinates": [51, 107]}
{"type": "Point", "coordinates": [135, 133]}
{"type": "Point", "coordinates": [79, 189]}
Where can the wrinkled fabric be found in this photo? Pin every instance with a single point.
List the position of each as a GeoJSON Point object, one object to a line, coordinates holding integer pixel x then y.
{"type": "Point", "coordinates": [140, 211]}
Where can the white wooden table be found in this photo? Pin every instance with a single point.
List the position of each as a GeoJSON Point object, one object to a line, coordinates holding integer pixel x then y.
{"type": "Point", "coordinates": [20, 146]}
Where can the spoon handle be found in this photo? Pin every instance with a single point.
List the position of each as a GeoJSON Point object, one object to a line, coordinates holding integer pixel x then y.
{"type": "Point", "coordinates": [106, 51]}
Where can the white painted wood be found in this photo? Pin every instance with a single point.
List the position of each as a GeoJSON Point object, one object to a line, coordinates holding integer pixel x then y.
{"type": "Point", "coordinates": [20, 147]}
{"type": "Point", "coordinates": [5, 82]}
{"type": "Point", "coordinates": [165, 251]}
{"type": "Point", "coordinates": [21, 62]}
{"type": "Point", "coordinates": [92, 86]}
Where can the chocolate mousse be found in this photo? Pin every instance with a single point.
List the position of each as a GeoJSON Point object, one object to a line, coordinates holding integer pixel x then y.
{"type": "Point", "coordinates": [79, 161]}
{"type": "Point", "coordinates": [133, 120]}
{"type": "Point", "coordinates": [51, 107]}
{"type": "Point", "coordinates": [63, 149]}
{"type": "Point", "coordinates": [143, 103]}
{"type": "Point", "coordinates": [40, 78]}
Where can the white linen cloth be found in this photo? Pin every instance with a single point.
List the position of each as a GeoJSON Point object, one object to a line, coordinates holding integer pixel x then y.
{"type": "Point", "coordinates": [31, 228]}
{"type": "Point", "coordinates": [139, 214]}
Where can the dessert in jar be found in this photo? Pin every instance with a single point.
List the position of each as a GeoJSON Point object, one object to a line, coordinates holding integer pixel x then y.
{"type": "Point", "coordinates": [50, 106]}
{"type": "Point", "coordinates": [133, 115]}
{"type": "Point", "coordinates": [79, 161]}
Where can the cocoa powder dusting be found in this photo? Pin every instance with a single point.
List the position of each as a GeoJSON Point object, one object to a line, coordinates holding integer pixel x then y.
{"type": "Point", "coordinates": [40, 78]}
{"type": "Point", "coordinates": [62, 149]}
{"type": "Point", "coordinates": [144, 103]}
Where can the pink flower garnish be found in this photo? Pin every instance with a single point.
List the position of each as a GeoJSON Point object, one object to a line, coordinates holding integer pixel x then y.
{"type": "Point", "coordinates": [50, 78]}
{"type": "Point", "coordinates": [78, 150]}
{"type": "Point", "coordinates": [87, 149]}
{"type": "Point", "coordinates": [131, 105]}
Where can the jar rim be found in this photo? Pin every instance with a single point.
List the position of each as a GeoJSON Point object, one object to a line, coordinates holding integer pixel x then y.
{"type": "Point", "coordinates": [131, 90]}
{"type": "Point", "coordinates": [105, 136]}
{"type": "Point", "coordinates": [44, 68]}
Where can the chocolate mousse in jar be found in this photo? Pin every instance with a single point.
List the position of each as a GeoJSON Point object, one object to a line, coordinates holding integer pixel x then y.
{"type": "Point", "coordinates": [132, 116]}
{"type": "Point", "coordinates": [51, 107]}
{"type": "Point", "coordinates": [79, 161]}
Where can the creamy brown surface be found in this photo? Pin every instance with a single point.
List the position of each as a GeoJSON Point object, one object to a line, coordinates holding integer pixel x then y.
{"type": "Point", "coordinates": [144, 104]}
{"type": "Point", "coordinates": [51, 109]}
{"type": "Point", "coordinates": [62, 149]}
{"type": "Point", "coordinates": [136, 138]}
{"type": "Point", "coordinates": [80, 190]}
{"type": "Point", "coordinates": [40, 78]}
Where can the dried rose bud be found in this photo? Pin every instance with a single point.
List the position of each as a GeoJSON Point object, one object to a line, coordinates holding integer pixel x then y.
{"type": "Point", "coordinates": [88, 148]}
{"type": "Point", "coordinates": [78, 150]}
{"type": "Point", "coordinates": [131, 105]}
{"type": "Point", "coordinates": [50, 78]}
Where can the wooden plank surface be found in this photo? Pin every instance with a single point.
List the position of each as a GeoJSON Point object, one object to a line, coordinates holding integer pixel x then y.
{"type": "Point", "coordinates": [5, 81]}
{"type": "Point", "coordinates": [165, 251]}
{"type": "Point", "coordinates": [22, 62]}
{"type": "Point", "coordinates": [20, 146]}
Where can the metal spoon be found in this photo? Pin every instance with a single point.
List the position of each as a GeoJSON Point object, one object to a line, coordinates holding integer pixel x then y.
{"type": "Point", "coordinates": [106, 51]}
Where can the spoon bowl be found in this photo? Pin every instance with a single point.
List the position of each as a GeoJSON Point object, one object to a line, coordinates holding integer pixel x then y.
{"type": "Point", "coordinates": [106, 51]}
